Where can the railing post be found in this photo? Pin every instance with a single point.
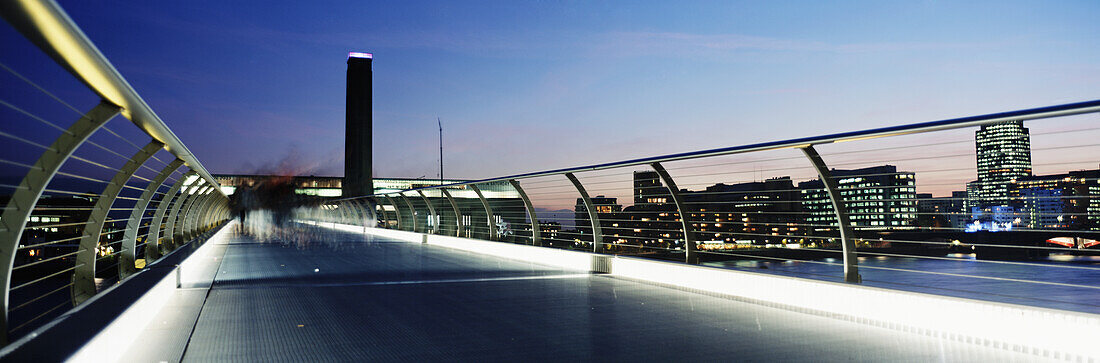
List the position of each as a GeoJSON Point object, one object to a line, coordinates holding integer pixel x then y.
{"type": "Point", "coordinates": [152, 241]}
{"type": "Point", "coordinates": [458, 213]}
{"type": "Point", "coordinates": [380, 212]}
{"type": "Point", "coordinates": [691, 255]}
{"type": "Point", "coordinates": [365, 213]}
{"type": "Point", "coordinates": [360, 212]}
{"type": "Point", "coordinates": [186, 222]}
{"type": "Point", "coordinates": [431, 209]}
{"type": "Point", "coordinates": [488, 212]}
{"type": "Point", "coordinates": [848, 246]}
{"type": "Point", "coordinates": [183, 228]}
{"type": "Point", "coordinates": [126, 265]}
{"type": "Point", "coordinates": [84, 273]}
{"type": "Point", "coordinates": [182, 203]}
{"type": "Point", "coordinates": [536, 236]}
{"type": "Point", "coordinates": [219, 210]}
{"type": "Point", "coordinates": [342, 212]}
{"type": "Point", "coordinates": [357, 213]}
{"type": "Point", "coordinates": [207, 217]}
{"type": "Point", "coordinates": [397, 211]}
{"type": "Point", "coordinates": [24, 198]}
{"type": "Point", "coordinates": [195, 226]}
{"type": "Point", "coordinates": [223, 210]}
{"type": "Point", "coordinates": [338, 212]}
{"type": "Point", "coordinates": [412, 212]}
{"type": "Point", "coordinates": [593, 216]}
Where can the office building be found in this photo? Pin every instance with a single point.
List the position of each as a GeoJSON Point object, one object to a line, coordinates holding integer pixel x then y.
{"type": "Point", "coordinates": [607, 209]}
{"type": "Point", "coordinates": [761, 212]}
{"type": "Point", "coordinates": [1003, 153]}
{"type": "Point", "coordinates": [879, 197]}
{"type": "Point", "coordinates": [940, 213]}
{"type": "Point", "coordinates": [1059, 201]}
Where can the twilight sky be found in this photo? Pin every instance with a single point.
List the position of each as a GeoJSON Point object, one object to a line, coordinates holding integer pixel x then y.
{"type": "Point", "coordinates": [532, 85]}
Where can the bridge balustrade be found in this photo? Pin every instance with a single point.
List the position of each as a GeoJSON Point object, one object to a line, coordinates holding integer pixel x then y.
{"type": "Point", "coordinates": [1002, 206]}
{"type": "Point", "coordinates": [99, 186]}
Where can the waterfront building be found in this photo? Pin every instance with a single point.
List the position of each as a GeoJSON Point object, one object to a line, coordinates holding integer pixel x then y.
{"type": "Point", "coordinates": [752, 213]}
{"type": "Point", "coordinates": [607, 210]}
{"type": "Point", "coordinates": [937, 213]}
{"type": "Point", "coordinates": [1060, 201]}
{"type": "Point", "coordinates": [879, 197]}
{"type": "Point", "coordinates": [1003, 154]}
{"type": "Point", "coordinates": [653, 220]}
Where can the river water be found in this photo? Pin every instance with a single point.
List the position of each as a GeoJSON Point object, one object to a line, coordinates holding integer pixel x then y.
{"type": "Point", "coordinates": [1032, 283]}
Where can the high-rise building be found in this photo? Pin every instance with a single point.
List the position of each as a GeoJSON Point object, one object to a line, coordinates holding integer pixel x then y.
{"type": "Point", "coordinates": [1003, 154]}
{"type": "Point", "coordinates": [357, 133]}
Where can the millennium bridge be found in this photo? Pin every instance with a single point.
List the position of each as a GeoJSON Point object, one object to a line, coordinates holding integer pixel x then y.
{"type": "Point", "coordinates": [120, 246]}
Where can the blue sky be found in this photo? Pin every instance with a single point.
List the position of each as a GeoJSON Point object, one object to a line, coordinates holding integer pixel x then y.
{"type": "Point", "coordinates": [524, 86]}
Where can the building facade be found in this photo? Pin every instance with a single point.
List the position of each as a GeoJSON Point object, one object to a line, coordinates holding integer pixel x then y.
{"type": "Point", "coordinates": [1003, 154]}
{"type": "Point", "coordinates": [1059, 201]}
{"type": "Point", "coordinates": [879, 197]}
{"type": "Point", "coordinates": [940, 213]}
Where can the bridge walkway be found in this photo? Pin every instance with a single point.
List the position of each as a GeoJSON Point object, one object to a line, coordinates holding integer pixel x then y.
{"type": "Point", "coordinates": [339, 296]}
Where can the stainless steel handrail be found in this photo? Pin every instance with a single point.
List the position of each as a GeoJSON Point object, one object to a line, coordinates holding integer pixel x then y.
{"type": "Point", "coordinates": [45, 24]}
{"type": "Point", "coordinates": [1068, 109]}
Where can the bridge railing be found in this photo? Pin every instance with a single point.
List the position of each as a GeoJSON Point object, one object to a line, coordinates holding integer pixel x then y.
{"type": "Point", "coordinates": [95, 185]}
{"type": "Point", "coordinates": [1003, 206]}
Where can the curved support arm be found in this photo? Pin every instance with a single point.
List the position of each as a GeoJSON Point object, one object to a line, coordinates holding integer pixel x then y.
{"type": "Point", "coordinates": [207, 217]}
{"type": "Point", "coordinates": [380, 212]}
{"type": "Point", "coordinates": [126, 265]}
{"type": "Point", "coordinates": [358, 214]}
{"type": "Point", "coordinates": [458, 213]}
{"type": "Point", "coordinates": [431, 209]}
{"type": "Point", "coordinates": [23, 199]}
{"type": "Point", "coordinates": [84, 274]}
{"type": "Point", "coordinates": [488, 212]}
{"type": "Point", "coordinates": [397, 211]}
{"type": "Point", "coordinates": [183, 228]}
{"type": "Point", "coordinates": [223, 211]}
{"type": "Point", "coordinates": [198, 216]}
{"type": "Point", "coordinates": [593, 216]}
{"type": "Point", "coordinates": [342, 211]}
{"type": "Point", "coordinates": [171, 230]}
{"type": "Point", "coordinates": [848, 246]}
{"type": "Point", "coordinates": [412, 213]}
{"type": "Point", "coordinates": [215, 213]}
{"type": "Point", "coordinates": [186, 224]}
{"type": "Point", "coordinates": [691, 256]}
{"type": "Point", "coordinates": [536, 236]}
{"type": "Point", "coordinates": [152, 241]}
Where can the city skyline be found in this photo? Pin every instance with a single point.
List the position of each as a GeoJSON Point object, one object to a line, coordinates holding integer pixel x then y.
{"type": "Point", "coordinates": [558, 85]}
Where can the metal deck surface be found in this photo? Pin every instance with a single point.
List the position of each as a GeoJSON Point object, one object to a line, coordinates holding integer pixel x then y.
{"type": "Point", "coordinates": [341, 296]}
